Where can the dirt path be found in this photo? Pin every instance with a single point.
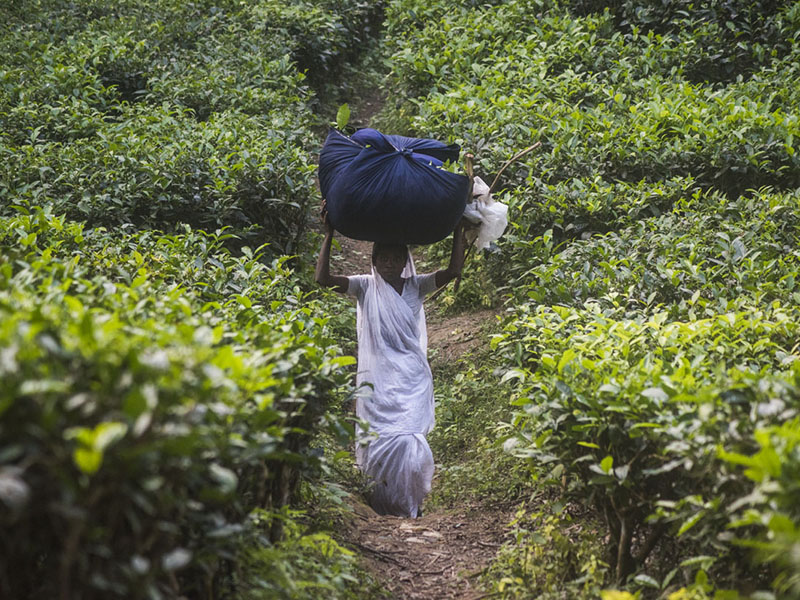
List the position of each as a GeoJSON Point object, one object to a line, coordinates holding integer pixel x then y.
{"type": "Point", "coordinates": [438, 556]}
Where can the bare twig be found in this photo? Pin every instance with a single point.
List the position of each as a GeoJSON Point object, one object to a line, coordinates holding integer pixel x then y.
{"type": "Point", "coordinates": [510, 161]}
{"type": "Point", "coordinates": [469, 168]}
{"type": "Point", "coordinates": [435, 295]}
{"type": "Point", "coordinates": [381, 553]}
{"type": "Point", "coordinates": [440, 572]}
{"type": "Point", "coordinates": [475, 573]}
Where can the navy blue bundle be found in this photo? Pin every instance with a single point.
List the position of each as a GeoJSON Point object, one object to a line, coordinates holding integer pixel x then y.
{"type": "Point", "coordinates": [389, 188]}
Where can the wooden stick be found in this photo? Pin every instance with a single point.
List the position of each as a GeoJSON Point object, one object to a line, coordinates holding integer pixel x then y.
{"type": "Point", "coordinates": [468, 167]}
{"type": "Point", "coordinates": [382, 553]}
{"type": "Point", "coordinates": [511, 160]}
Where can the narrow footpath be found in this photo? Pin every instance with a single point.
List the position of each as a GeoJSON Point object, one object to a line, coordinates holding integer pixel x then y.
{"type": "Point", "coordinates": [438, 556]}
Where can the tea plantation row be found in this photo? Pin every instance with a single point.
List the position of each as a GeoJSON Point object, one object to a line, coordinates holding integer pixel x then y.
{"type": "Point", "coordinates": [159, 385]}
{"type": "Point", "coordinates": [650, 270]}
{"type": "Point", "coordinates": [624, 133]}
{"type": "Point", "coordinates": [158, 113]}
{"type": "Point", "coordinates": [156, 391]}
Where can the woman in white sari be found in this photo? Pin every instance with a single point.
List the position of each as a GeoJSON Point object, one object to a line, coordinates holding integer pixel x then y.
{"type": "Point", "coordinates": [395, 385]}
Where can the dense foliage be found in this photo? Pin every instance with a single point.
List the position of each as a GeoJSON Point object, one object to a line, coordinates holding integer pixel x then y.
{"type": "Point", "coordinates": [650, 272]}
{"type": "Point", "coordinates": [162, 370]}
{"type": "Point", "coordinates": [156, 390]}
{"type": "Point", "coordinates": [159, 113]}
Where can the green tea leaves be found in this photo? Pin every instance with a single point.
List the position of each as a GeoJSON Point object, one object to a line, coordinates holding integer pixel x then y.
{"type": "Point", "coordinates": [342, 117]}
{"type": "Point", "coordinates": [92, 444]}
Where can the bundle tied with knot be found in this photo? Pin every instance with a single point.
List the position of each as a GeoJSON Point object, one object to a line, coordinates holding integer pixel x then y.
{"type": "Point", "coordinates": [395, 189]}
{"type": "Point", "coordinates": [391, 188]}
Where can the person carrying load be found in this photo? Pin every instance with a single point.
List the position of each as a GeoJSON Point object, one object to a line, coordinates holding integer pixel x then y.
{"type": "Point", "coordinates": [365, 181]}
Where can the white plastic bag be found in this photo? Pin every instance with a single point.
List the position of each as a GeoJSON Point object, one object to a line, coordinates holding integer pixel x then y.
{"type": "Point", "coordinates": [492, 216]}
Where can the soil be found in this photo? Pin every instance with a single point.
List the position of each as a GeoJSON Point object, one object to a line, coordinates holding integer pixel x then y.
{"type": "Point", "coordinates": [355, 257]}
{"type": "Point", "coordinates": [365, 108]}
{"type": "Point", "coordinates": [451, 337]}
{"type": "Point", "coordinates": [437, 556]}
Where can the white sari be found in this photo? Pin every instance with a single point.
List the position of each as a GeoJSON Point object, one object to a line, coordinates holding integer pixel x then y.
{"type": "Point", "coordinates": [395, 394]}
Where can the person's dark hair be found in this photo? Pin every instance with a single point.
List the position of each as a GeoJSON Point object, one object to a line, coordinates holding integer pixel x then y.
{"type": "Point", "coordinates": [383, 248]}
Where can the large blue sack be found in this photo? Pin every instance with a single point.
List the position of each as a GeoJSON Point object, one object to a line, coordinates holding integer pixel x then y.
{"type": "Point", "coordinates": [390, 188]}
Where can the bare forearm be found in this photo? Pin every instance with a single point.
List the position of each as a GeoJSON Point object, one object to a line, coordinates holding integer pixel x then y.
{"type": "Point", "coordinates": [458, 252]}
{"type": "Point", "coordinates": [457, 255]}
{"type": "Point", "coordinates": [323, 271]}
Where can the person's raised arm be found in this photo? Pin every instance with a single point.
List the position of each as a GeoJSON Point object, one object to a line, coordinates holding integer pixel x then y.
{"type": "Point", "coordinates": [453, 270]}
{"type": "Point", "coordinates": [323, 272]}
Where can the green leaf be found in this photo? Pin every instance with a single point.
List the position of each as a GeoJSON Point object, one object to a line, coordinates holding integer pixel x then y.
{"type": "Point", "coordinates": [780, 523]}
{"type": "Point", "coordinates": [655, 393]}
{"type": "Point", "coordinates": [607, 463]}
{"type": "Point", "coordinates": [703, 561]}
{"type": "Point", "coordinates": [513, 373]}
{"type": "Point", "coordinates": [616, 595]}
{"type": "Point", "coordinates": [92, 443]}
{"type": "Point", "coordinates": [87, 460]}
{"type": "Point", "coordinates": [343, 361]}
{"type": "Point", "coordinates": [342, 116]}
{"type": "Point", "coordinates": [176, 559]}
{"type": "Point", "coordinates": [106, 434]}
{"type": "Point", "coordinates": [14, 491]}
{"type": "Point", "coordinates": [224, 477]}
{"type": "Point", "coordinates": [646, 580]}
{"type": "Point", "coordinates": [690, 522]}
{"type": "Point", "coordinates": [589, 445]}
{"type": "Point", "coordinates": [565, 359]}
{"type": "Point", "coordinates": [74, 304]}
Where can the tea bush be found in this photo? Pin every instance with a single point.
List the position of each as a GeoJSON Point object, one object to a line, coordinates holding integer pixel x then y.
{"type": "Point", "coordinates": [612, 107]}
{"type": "Point", "coordinates": [158, 113]}
{"type": "Point", "coordinates": [699, 307]}
{"type": "Point", "coordinates": [707, 247]}
{"type": "Point", "coordinates": [221, 172]}
{"type": "Point", "coordinates": [158, 392]}
{"type": "Point", "coordinates": [722, 40]}
{"type": "Point", "coordinates": [649, 269]}
{"type": "Point", "coordinates": [771, 507]}
{"type": "Point", "coordinates": [155, 392]}
{"type": "Point", "coordinates": [638, 408]}
{"type": "Point", "coordinates": [555, 552]}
